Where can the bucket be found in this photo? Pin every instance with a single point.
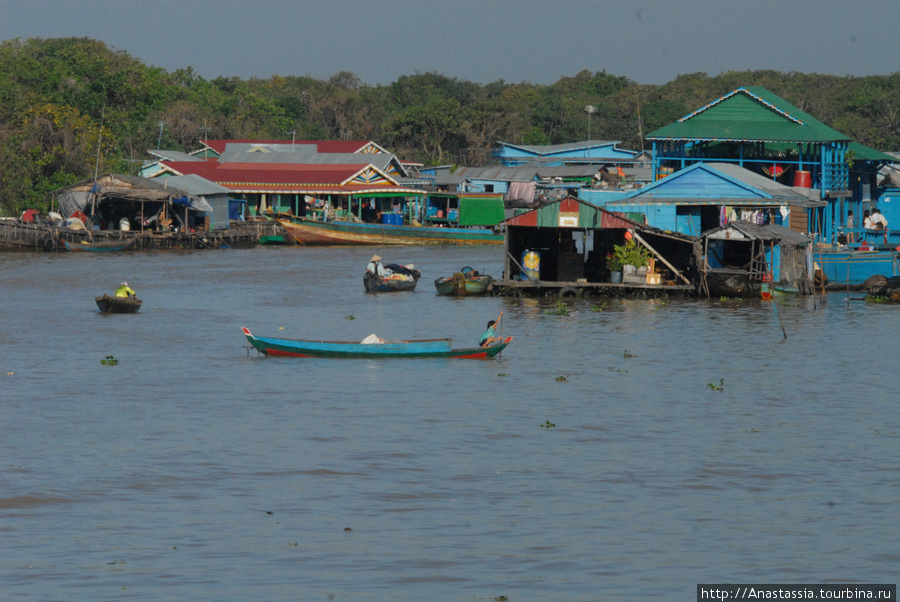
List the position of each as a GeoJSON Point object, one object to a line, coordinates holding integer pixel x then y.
{"type": "Point", "coordinates": [531, 265]}
{"type": "Point", "coordinates": [802, 179]}
{"type": "Point", "coordinates": [615, 277]}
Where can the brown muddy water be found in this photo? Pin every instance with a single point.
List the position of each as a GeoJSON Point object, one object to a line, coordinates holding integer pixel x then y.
{"type": "Point", "coordinates": [691, 442]}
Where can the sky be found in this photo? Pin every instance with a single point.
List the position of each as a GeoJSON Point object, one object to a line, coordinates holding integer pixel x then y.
{"type": "Point", "coordinates": [482, 41]}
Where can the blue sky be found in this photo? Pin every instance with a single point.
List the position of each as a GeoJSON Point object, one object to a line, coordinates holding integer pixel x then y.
{"type": "Point", "coordinates": [647, 41]}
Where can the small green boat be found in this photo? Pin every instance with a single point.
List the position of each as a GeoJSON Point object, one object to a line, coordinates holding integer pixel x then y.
{"type": "Point", "coordinates": [463, 283]}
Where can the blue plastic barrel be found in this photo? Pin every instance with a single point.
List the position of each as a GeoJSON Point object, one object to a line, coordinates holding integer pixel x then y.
{"type": "Point", "coordinates": [531, 265]}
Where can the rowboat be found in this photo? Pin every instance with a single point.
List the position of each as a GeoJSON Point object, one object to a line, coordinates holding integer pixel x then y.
{"type": "Point", "coordinates": [400, 279]}
{"type": "Point", "coordinates": [118, 305]}
{"type": "Point", "coordinates": [465, 282]}
{"type": "Point", "coordinates": [314, 232]}
{"type": "Point", "coordinates": [112, 245]}
{"type": "Point", "coordinates": [426, 348]}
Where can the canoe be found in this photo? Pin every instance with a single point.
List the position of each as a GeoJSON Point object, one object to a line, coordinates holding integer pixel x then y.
{"type": "Point", "coordinates": [113, 245]}
{"type": "Point", "coordinates": [401, 279]}
{"type": "Point", "coordinates": [313, 232]}
{"type": "Point", "coordinates": [118, 305]}
{"type": "Point", "coordinates": [465, 282]}
{"type": "Point", "coordinates": [427, 348]}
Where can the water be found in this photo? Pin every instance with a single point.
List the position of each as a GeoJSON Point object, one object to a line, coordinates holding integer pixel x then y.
{"type": "Point", "coordinates": [195, 470]}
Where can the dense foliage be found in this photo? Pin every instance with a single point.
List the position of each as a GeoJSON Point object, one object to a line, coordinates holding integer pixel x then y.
{"type": "Point", "coordinates": [71, 107]}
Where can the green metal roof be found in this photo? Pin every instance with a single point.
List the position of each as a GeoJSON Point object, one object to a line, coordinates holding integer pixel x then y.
{"type": "Point", "coordinates": [749, 114]}
{"type": "Point", "coordinates": [864, 153]}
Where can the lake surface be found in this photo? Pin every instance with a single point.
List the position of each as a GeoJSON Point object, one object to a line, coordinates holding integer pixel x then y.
{"type": "Point", "coordinates": [692, 443]}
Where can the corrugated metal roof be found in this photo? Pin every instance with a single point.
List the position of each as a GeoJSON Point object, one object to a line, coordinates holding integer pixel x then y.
{"type": "Point", "coordinates": [558, 148]}
{"type": "Point", "coordinates": [768, 232]}
{"type": "Point", "coordinates": [379, 160]}
{"type": "Point", "coordinates": [745, 114]}
{"type": "Point", "coordinates": [771, 192]}
{"type": "Point", "coordinates": [324, 146]}
{"type": "Point", "coordinates": [526, 173]}
{"type": "Point", "coordinates": [194, 184]}
{"type": "Point", "coordinates": [173, 155]}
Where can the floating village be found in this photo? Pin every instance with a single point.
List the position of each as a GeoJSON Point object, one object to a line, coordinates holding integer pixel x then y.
{"type": "Point", "coordinates": [747, 196]}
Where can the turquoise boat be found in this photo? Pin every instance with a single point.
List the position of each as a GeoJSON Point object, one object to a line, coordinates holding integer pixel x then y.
{"type": "Point", "coordinates": [426, 348]}
{"type": "Point", "coordinates": [852, 267]}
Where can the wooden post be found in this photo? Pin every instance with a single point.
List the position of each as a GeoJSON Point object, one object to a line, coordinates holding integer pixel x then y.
{"type": "Point", "coordinates": [661, 258]}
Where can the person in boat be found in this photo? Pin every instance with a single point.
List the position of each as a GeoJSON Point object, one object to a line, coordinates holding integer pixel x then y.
{"type": "Point", "coordinates": [490, 335]}
{"type": "Point", "coordinates": [125, 291]}
{"type": "Point", "coordinates": [375, 267]}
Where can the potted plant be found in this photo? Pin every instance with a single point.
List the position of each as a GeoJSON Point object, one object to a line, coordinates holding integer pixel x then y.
{"type": "Point", "coordinates": [628, 254]}
{"type": "Point", "coordinates": [615, 261]}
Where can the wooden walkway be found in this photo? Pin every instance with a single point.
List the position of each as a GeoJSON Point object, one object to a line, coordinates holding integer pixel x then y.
{"type": "Point", "coordinates": [19, 236]}
{"type": "Point", "coordinates": [541, 288]}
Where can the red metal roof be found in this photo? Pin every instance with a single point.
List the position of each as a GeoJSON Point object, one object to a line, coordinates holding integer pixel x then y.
{"type": "Point", "coordinates": [285, 177]}
{"type": "Point", "coordinates": [324, 146]}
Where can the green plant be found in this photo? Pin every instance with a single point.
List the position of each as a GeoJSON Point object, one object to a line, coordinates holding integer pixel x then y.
{"type": "Point", "coordinates": [627, 354]}
{"type": "Point", "coordinates": [547, 425]}
{"type": "Point", "coordinates": [630, 253]}
{"type": "Point", "coordinates": [598, 306]}
{"type": "Point", "coordinates": [561, 310]}
{"type": "Point", "coordinates": [717, 387]}
{"type": "Point", "coordinates": [109, 361]}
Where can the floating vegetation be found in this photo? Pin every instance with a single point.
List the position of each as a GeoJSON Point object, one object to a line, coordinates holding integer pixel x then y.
{"type": "Point", "coordinates": [598, 306]}
{"type": "Point", "coordinates": [561, 310]}
{"type": "Point", "coordinates": [614, 369]}
{"type": "Point", "coordinates": [717, 387]}
{"type": "Point", "coordinates": [726, 299]}
{"type": "Point", "coordinates": [877, 299]}
{"type": "Point", "coordinates": [503, 374]}
{"type": "Point", "coordinates": [350, 317]}
{"type": "Point", "coordinates": [547, 425]}
{"type": "Point", "coordinates": [628, 354]}
{"type": "Point", "coordinates": [109, 361]}
{"type": "Point", "coordinates": [561, 379]}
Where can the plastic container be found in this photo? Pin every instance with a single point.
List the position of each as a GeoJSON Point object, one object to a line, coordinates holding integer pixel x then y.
{"type": "Point", "coordinates": [803, 179]}
{"type": "Point", "coordinates": [531, 265]}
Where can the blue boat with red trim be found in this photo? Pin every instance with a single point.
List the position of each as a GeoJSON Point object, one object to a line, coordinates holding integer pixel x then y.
{"type": "Point", "coordinates": [425, 348]}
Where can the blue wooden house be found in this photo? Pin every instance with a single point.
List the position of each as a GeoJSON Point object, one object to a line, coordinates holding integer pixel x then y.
{"type": "Point", "coordinates": [752, 128]}
{"type": "Point", "coordinates": [707, 195]}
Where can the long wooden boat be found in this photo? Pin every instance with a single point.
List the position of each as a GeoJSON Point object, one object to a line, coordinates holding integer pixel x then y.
{"type": "Point", "coordinates": [118, 305]}
{"type": "Point", "coordinates": [463, 283]}
{"type": "Point", "coordinates": [401, 279]}
{"type": "Point", "coordinates": [428, 348]}
{"type": "Point", "coordinates": [853, 267]}
{"type": "Point", "coordinates": [104, 246]}
{"type": "Point", "coordinates": [313, 232]}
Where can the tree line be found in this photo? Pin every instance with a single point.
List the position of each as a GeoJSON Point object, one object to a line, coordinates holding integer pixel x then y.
{"type": "Point", "coordinates": [71, 107]}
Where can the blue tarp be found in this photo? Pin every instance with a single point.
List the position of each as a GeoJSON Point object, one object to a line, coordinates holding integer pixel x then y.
{"type": "Point", "coordinates": [236, 209]}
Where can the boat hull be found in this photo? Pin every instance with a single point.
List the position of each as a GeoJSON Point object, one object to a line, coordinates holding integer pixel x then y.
{"type": "Point", "coordinates": [432, 348]}
{"type": "Point", "coordinates": [460, 286]}
{"type": "Point", "coordinates": [99, 246]}
{"type": "Point", "coordinates": [843, 267]}
{"type": "Point", "coordinates": [118, 305]}
{"type": "Point", "coordinates": [312, 232]}
{"type": "Point", "coordinates": [377, 284]}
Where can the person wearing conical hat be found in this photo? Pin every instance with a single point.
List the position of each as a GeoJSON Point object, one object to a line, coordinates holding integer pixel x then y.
{"type": "Point", "coordinates": [375, 266]}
